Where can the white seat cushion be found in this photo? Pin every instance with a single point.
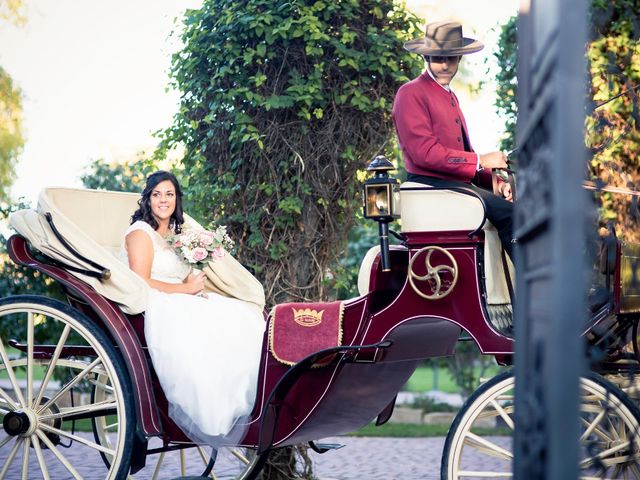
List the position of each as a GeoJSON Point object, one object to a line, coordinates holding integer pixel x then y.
{"type": "Point", "coordinates": [438, 210]}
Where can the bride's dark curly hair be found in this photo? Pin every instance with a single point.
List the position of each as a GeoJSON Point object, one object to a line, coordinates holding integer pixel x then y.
{"type": "Point", "coordinates": [144, 212]}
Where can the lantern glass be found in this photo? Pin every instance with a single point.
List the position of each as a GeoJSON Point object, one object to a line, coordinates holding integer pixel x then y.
{"type": "Point", "coordinates": [395, 204]}
{"type": "Point", "coordinates": [378, 201]}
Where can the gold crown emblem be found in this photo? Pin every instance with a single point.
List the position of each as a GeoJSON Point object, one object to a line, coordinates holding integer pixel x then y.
{"type": "Point", "coordinates": [307, 317]}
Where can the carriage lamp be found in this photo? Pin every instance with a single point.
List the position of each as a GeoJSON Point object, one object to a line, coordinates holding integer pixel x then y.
{"type": "Point", "coordinates": [382, 202]}
{"type": "Point", "coordinates": [382, 192]}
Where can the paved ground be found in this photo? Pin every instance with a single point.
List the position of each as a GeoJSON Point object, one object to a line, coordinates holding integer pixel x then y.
{"type": "Point", "coordinates": [360, 459]}
{"type": "Point", "coordinates": [368, 459]}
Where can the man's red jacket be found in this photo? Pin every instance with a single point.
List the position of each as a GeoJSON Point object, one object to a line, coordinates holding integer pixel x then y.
{"type": "Point", "coordinates": [429, 125]}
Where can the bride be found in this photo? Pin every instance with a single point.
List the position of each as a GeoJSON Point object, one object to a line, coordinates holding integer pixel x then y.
{"type": "Point", "coordinates": [205, 348]}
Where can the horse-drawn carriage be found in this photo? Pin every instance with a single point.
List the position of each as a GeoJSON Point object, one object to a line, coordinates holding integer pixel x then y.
{"type": "Point", "coordinates": [447, 281]}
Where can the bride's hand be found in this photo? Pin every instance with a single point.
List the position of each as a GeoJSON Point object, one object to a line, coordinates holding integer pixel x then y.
{"type": "Point", "coordinates": [194, 283]}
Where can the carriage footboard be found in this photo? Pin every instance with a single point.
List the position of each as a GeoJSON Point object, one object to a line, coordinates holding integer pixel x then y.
{"type": "Point", "coordinates": [272, 407]}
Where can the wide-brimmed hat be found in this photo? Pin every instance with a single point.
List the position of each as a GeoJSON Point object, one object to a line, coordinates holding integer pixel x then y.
{"type": "Point", "coordinates": [444, 39]}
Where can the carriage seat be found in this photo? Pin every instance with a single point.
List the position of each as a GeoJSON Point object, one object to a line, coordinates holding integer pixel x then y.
{"type": "Point", "coordinates": [93, 222]}
{"type": "Point", "coordinates": [447, 210]}
{"type": "Point", "coordinates": [438, 210]}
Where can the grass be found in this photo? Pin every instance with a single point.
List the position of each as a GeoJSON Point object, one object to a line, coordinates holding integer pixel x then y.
{"type": "Point", "coordinates": [422, 379]}
{"type": "Point", "coordinates": [82, 425]}
{"type": "Point", "coordinates": [21, 373]}
{"type": "Point", "coordinates": [406, 430]}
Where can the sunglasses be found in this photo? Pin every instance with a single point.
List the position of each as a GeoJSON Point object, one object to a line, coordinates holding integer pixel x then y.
{"type": "Point", "coordinates": [440, 59]}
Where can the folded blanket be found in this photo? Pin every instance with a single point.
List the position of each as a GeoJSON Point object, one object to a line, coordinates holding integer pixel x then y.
{"type": "Point", "coordinates": [228, 277]}
{"type": "Point", "coordinates": [300, 329]}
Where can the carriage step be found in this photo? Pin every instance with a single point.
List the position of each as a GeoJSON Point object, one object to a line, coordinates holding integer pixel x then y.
{"type": "Point", "coordinates": [324, 447]}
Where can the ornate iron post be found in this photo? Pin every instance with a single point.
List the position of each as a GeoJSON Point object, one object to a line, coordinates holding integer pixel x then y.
{"type": "Point", "coordinates": [550, 228]}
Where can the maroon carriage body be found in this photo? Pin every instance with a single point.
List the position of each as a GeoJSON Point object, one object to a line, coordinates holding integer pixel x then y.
{"type": "Point", "coordinates": [353, 389]}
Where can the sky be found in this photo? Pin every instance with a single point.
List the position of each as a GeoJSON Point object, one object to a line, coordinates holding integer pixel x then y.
{"type": "Point", "coordinates": [94, 76]}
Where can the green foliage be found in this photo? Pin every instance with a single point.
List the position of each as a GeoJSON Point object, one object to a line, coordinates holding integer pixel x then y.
{"type": "Point", "coordinates": [282, 103]}
{"type": "Point", "coordinates": [402, 430]}
{"type": "Point", "coordinates": [120, 177]}
{"type": "Point", "coordinates": [408, 430]}
{"type": "Point", "coordinates": [468, 366]}
{"type": "Point", "coordinates": [12, 11]}
{"type": "Point", "coordinates": [613, 135]}
{"type": "Point", "coordinates": [612, 131]}
{"type": "Point", "coordinates": [11, 137]}
{"type": "Point", "coordinates": [429, 405]}
{"type": "Point", "coordinates": [506, 56]}
{"type": "Point", "coordinates": [362, 237]}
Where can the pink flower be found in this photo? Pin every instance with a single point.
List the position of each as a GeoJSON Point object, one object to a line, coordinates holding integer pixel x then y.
{"type": "Point", "coordinates": [199, 254]}
{"type": "Point", "coordinates": [218, 252]}
{"type": "Point", "coordinates": [206, 238]}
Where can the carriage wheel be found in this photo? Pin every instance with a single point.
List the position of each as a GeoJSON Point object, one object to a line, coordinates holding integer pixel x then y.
{"type": "Point", "coordinates": [479, 443]}
{"type": "Point", "coordinates": [235, 463]}
{"type": "Point", "coordinates": [46, 405]}
{"type": "Point", "coordinates": [635, 339]}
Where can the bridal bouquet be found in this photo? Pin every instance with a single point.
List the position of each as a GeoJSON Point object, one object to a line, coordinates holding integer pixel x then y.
{"type": "Point", "coordinates": [197, 246]}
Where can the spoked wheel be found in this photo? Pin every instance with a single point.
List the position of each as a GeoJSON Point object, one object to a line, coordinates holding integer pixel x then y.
{"type": "Point", "coordinates": [52, 359]}
{"type": "Point", "coordinates": [235, 463]}
{"type": "Point", "coordinates": [635, 339]}
{"type": "Point", "coordinates": [479, 443]}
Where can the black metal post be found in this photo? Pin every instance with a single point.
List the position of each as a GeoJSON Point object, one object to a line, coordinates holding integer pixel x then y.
{"type": "Point", "coordinates": [383, 230]}
{"type": "Point", "coordinates": [550, 227]}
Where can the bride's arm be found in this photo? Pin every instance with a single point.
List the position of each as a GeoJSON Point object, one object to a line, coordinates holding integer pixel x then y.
{"type": "Point", "coordinates": [140, 252]}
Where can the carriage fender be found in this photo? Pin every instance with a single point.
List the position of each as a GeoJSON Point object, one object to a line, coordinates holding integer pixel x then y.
{"type": "Point", "coordinates": [420, 338]}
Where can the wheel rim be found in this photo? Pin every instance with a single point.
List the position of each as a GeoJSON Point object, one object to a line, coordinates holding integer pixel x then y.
{"type": "Point", "coordinates": [51, 391]}
{"type": "Point", "coordinates": [609, 430]}
{"type": "Point", "coordinates": [474, 452]}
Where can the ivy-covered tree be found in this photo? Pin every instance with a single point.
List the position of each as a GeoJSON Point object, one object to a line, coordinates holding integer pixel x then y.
{"type": "Point", "coordinates": [283, 102]}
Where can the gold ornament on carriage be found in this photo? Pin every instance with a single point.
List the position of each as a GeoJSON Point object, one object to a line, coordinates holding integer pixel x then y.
{"type": "Point", "coordinates": [438, 286]}
{"type": "Point", "coordinates": [307, 317]}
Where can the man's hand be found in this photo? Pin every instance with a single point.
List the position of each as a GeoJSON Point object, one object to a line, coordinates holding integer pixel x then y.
{"type": "Point", "coordinates": [505, 190]}
{"type": "Point", "coordinates": [493, 160]}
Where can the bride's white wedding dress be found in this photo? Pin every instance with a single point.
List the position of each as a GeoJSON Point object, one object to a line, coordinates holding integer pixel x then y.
{"type": "Point", "coordinates": [205, 351]}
